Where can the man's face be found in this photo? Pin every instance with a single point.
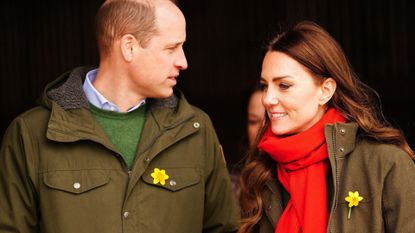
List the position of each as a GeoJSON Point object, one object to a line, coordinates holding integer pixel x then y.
{"type": "Point", "coordinates": [156, 66]}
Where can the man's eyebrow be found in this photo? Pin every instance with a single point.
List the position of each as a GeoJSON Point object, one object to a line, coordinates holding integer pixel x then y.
{"type": "Point", "coordinates": [175, 44]}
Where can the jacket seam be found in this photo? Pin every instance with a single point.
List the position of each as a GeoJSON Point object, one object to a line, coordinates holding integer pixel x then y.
{"type": "Point", "coordinates": [384, 201]}
{"type": "Point", "coordinates": [67, 170]}
{"type": "Point", "coordinates": [35, 166]}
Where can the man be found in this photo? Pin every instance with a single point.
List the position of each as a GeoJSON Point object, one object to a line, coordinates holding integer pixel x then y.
{"type": "Point", "coordinates": [118, 149]}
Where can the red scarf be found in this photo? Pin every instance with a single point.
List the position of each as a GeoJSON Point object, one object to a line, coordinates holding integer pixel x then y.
{"type": "Point", "coordinates": [302, 167]}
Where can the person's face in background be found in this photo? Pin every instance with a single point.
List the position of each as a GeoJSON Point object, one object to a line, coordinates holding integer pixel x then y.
{"type": "Point", "coordinates": [256, 115]}
{"type": "Point", "coordinates": [293, 99]}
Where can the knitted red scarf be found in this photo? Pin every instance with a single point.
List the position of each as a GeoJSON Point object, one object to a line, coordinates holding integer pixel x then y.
{"type": "Point", "coordinates": [302, 167]}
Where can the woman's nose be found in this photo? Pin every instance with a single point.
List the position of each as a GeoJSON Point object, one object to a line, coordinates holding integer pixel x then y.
{"type": "Point", "coordinates": [270, 98]}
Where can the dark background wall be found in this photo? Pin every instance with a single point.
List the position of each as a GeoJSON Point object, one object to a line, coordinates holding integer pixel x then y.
{"type": "Point", "coordinates": [41, 39]}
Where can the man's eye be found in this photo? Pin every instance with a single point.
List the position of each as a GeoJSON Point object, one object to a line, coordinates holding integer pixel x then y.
{"type": "Point", "coordinates": [172, 48]}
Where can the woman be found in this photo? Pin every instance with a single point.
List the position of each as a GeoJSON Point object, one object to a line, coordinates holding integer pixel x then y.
{"type": "Point", "coordinates": [326, 160]}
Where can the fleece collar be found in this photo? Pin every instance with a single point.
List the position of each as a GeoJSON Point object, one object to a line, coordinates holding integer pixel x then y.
{"type": "Point", "coordinates": [68, 93]}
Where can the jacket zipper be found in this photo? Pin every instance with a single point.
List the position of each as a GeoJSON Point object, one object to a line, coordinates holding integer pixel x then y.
{"type": "Point", "coordinates": [281, 207]}
{"type": "Point", "coordinates": [334, 206]}
{"type": "Point", "coordinates": [129, 171]}
{"type": "Point", "coordinates": [164, 130]}
{"type": "Point", "coordinates": [124, 164]}
{"type": "Point", "coordinates": [157, 136]}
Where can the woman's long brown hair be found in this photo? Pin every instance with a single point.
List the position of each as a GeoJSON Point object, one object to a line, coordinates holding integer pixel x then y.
{"type": "Point", "coordinates": [315, 49]}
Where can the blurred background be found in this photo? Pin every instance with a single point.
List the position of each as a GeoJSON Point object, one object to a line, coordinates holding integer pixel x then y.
{"type": "Point", "coordinates": [225, 45]}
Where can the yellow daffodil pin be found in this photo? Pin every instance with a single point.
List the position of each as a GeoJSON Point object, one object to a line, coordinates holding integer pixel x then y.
{"type": "Point", "coordinates": [353, 200]}
{"type": "Point", "coordinates": [159, 176]}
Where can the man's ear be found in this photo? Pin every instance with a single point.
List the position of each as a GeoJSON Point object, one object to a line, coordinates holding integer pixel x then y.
{"type": "Point", "coordinates": [328, 87]}
{"type": "Point", "coordinates": [128, 45]}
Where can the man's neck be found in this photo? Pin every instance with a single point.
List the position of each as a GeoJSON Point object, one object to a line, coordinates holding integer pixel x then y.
{"type": "Point", "coordinates": [115, 85]}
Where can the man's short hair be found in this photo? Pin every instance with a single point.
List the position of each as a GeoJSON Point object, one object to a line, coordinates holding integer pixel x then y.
{"type": "Point", "coordinates": [116, 18]}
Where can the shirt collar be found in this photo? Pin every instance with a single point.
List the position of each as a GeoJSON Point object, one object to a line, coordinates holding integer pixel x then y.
{"type": "Point", "coordinates": [97, 99]}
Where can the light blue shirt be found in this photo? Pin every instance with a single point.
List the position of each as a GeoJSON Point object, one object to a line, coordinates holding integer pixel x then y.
{"type": "Point", "coordinates": [97, 99]}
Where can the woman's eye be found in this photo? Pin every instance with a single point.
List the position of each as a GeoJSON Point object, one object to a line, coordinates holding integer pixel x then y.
{"type": "Point", "coordinates": [284, 86]}
{"type": "Point", "coordinates": [263, 86]}
{"type": "Point", "coordinates": [253, 121]}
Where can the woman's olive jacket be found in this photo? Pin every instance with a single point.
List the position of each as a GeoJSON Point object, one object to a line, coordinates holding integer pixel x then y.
{"type": "Point", "coordinates": [384, 176]}
{"type": "Point", "coordinates": [59, 173]}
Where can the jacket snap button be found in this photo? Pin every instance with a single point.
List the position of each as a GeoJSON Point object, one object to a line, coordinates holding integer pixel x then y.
{"type": "Point", "coordinates": [196, 125]}
{"type": "Point", "coordinates": [125, 214]}
{"type": "Point", "coordinates": [76, 185]}
{"type": "Point", "coordinates": [341, 149]}
{"type": "Point", "coordinates": [342, 131]}
{"type": "Point", "coordinates": [147, 159]}
{"type": "Point", "coordinates": [172, 183]}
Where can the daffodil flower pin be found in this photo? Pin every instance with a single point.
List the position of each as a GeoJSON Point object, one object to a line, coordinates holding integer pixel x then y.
{"type": "Point", "coordinates": [353, 200]}
{"type": "Point", "coordinates": [159, 176]}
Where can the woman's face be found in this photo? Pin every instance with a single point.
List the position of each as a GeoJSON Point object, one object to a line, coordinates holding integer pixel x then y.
{"type": "Point", "coordinates": [256, 114]}
{"type": "Point", "coordinates": [293, 99]}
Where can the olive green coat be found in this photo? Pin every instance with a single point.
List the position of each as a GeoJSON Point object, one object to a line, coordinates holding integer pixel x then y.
{"type": "Point", "coordinates": [59, 173]}
{"type": "Point", "coordinates": [382, 174]}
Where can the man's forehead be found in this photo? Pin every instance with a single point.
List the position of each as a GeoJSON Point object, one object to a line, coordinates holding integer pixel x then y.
{"type": "Point", "coordinates": [141, 1]}
{"type": "Point", "coordinates": [145, 2]}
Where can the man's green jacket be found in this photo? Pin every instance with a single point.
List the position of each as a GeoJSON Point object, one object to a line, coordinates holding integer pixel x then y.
{"type": "Point", "coordinates": [59, 173]}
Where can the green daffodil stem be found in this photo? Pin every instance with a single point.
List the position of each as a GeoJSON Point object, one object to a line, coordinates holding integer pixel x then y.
{"type": "Point", "coordinates": [350, 211]}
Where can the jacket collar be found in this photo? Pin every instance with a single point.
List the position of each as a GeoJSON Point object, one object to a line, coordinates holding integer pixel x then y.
{"type": "Point", "coordinates": [67, 92]}
{"type": "Point", "coordinates": [340, 138]}
{"type": "Point", "coordinates": [71, 119]}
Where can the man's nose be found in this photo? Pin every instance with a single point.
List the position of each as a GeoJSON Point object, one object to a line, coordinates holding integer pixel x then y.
{"type": "Point", "coordinates": [181, 62]}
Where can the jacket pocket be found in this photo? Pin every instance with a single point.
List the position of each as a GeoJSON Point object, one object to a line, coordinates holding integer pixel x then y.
{"type": "Point", "coordinates": [365, 217]}
{"type": "Point", "coordinates": [75, 182]}
{"type": "Point", "coordinates": [178, 178]}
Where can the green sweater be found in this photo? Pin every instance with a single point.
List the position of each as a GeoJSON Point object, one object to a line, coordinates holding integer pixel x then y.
{"type": "Point", "coordinates": [123, 130]}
